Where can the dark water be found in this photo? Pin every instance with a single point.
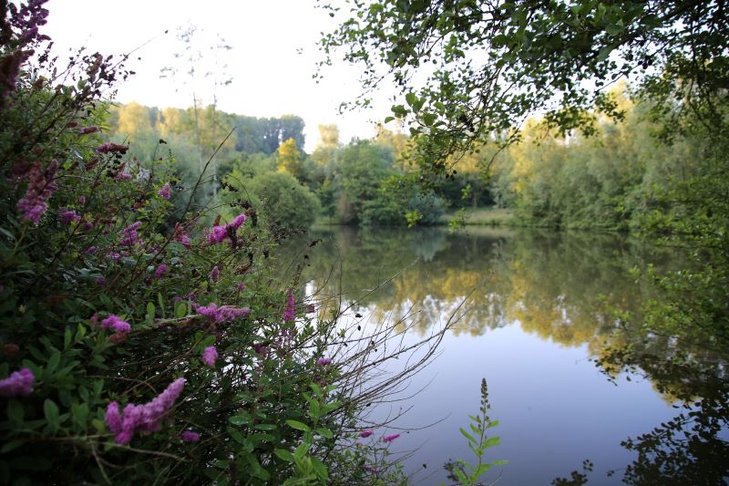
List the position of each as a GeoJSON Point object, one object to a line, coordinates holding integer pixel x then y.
{"type": "Point", "coordinates": [552, 322]}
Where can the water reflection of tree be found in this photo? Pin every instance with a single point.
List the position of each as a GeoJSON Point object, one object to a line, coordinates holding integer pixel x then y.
{"type": "Point", "coordinates": [571, 289]}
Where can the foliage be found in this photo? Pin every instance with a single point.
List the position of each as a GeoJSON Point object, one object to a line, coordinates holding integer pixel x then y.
{"type": "Point", "coordinates": [463, 472]}
{"type": "Point", "coordinates": [488, 64]}
{"type": "Point", "coordinates": [282, 203]}
{"type": "Point", "coordinates": [140, 344]}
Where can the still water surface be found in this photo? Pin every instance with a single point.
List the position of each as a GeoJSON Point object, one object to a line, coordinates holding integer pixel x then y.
{"type": "Point", "coordinates": [543, 322]}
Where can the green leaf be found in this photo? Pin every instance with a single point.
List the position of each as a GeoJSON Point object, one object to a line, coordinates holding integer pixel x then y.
{"type": "Point", "coordinates": [16, 413]}
{"type": "Point", "coordinates": [161, 302]}
{"type": "Point", "coordinates": [50, 410]}
{"type": "Point", "coordinates": [52, 364]}
{"type": "Point", "coordinates": [180, 309]}
{"type": "Point", "coordinates": [11, 446]}
{"type": "Point", "coordinates": [326, 433]}
{"type": "Point", "coordinates": [151, 311]}
{"type": "Point", "coordinates": [295, 424]}
{"type": "Point", "coordinates": [492, 441]}
{"type": "Point", "coordinates": [284, 455]}
{"type": "Point", "coordinates": [240, 419]}
{"type": "Point", "coordinates": [265, 427]}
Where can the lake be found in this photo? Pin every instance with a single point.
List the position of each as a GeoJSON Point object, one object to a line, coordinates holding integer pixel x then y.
{"type": "Point", "coordinates": [552, 322]}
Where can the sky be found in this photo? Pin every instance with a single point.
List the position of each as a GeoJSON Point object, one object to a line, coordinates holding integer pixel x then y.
{"type": "Point", "coordinates": [271, 63]}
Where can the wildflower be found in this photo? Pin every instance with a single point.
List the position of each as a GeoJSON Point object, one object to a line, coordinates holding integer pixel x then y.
{"type": "Point", "coordinates": [114, 256]}
{"type": "Point", "coordinates": [324, 361]}
{"type": "Point", "coordinates": [209, 356]}
{"type": "Point", "coordinates": [111, 148]}
{"type": "Point", "coordinates": [142, 418]}
{"type": "Point", "coordinates": [117, 324]}
{"type": "Point", "coordinates": [240, 286]}
{"type": "Point", "coordinates": [237, 221]}
{"type": "Point", "coordinates": [222, 314]}
{"type": "Point", "coordinates": [18, 384]}
{"type": "Point", "coordinates": [129, 235]}
{"type": "Point", "coordinates": [90, 250]}
{"type": "Point", "coordinates": [217, 235]}
{"type": "Point", "coordinates": [365, 433]}
{"type": "Point", "coordinates": [33, 204]}
{"type": "Point", "coordinates": [215, 274]}
{"type": "Point", "coordinates": [290, 312]}
{"type": "Point", "coordinates": [100, 280]}
{"type": "Point", "coordinates": [82, 200]}
{"type": "Point", "coordinates": [390, 438]}
{"type": "Point", "coordinates": [189, 436]}
{"type": "Point", "coordinates": [123, 176]}
{"type": "Point", "coordinates": [165, 191]}
{"type": "Point", "coordinates": [88, 130]}
{"type": "Point", "coordinates": [161, 270]}
{"type": "Point", "coordinates": [68, 216]}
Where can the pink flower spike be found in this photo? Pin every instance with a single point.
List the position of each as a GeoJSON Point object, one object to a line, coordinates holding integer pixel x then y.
{"type": "Point", "coordinates": [366, 433]}
{"type": "Point", "coordinates": [117, 324]}
{"type": "Point", "coordinates": [18, 384]}
{"type": "Point", "coordinates": [290, 313]}
{"type": "Point", "coordinates": [217, 235]}
{"type": "Point", "coordinates": [68, 216]}
{"type": "Point", "coordinates": [209, 356]}
{"type": "Point", "coordinates": [323, 361]}
{"type": "Point", "coordinates": [237, 221]}
{"type": "Point", "coordinates": [161, 270]}
{"type": "Point", "coordinates": [165, 191]}
{"type": "Point", "coordinates": [214, 274]}
{"type": "Point", "coordinates": [390, 438]}
{"type": "Point", "coordinates": [189, 436]}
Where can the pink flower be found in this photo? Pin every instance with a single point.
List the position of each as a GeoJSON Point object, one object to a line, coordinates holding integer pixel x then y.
{"type": "Point", "coordinates": [222, 314]}
{"type": "Point", "coordinates": [161, 270]}
{"type": "Point", "coordinates": [142, 418]}
{"type": "Point", "coordinates": [217, 235]}
{"type": "Point", "coordinates": [183, 239]}
{"type": "Point", "coordinates": [165, 191]}
{"type": "Point", "coordinates": [111, 148]}
{"type": "Point", "coordinates": [87, 130]}
{"type": "Point", "coordinates": [121, 328]}
{"type": "Point", "coordinates": [129, 235]}
{"type": "Point", "coordinates": [366, 433]}
{"type": "Point", "coordinates": [209, 356]}
{"type": "Point", "coordinates": [123, 176]}
{"type": "Point", "coordinates": [18, 384]}
{"type": "Point", "coordinates": [33, 204]}
{"type": "Point", "coordinates": [323, 361]}
{"type": "Point", "coordinates": [237, 221]}
{"type": "Point", "coordinates": [82, 200]}
{"type": "Point", "coordinates": [215, 274]}
{"type": "Point", "coordinates": [189, 436]}
{"type": "Point", "coordinates": [68, 216]}
{"type": "Point", "coordinates": [390, 438]}
{"type": "Point", "coordinates": [290, 313]}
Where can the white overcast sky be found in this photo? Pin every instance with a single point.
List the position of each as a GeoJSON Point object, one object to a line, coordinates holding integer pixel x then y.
{"type": "Point", "coordinates": [271, 63]}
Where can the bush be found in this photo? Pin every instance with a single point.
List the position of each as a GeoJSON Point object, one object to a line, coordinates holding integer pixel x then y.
{"type": "Point", "coordinates": [138, 346]}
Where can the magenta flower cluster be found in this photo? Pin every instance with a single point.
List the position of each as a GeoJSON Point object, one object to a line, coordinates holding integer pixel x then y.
{"type": "Point", "coordinates": [209, 356]}
{"type": "Point", "coordinates": [390, 438]}
{"type": "Point", "coordinates": [161, 270]}
{"type": "Point", "coordinates": [120, 327]}
{"type": "Point", "coordinates": [165, 191]}
{"type": "Point", "coordinates": [223, 313]}
{"type": "Point", "coordinates": [142, 418]}
{"type": "Point", "coordinates": [32, 206]}
{"type": "Point", "coordinates": [18, 384]}
{"type": "Point", "coordinates": [68, 216]}
{"type": "Point", "coordinates": [189, 436]}
{"type": "Point", "coordinates": [290, 312]}
{"type": "Point", "coordinates": [129, 235]}
{"type": "Point", "coordinates": [218, 234]}
{"type": "Point", "coordinates": [324, 361]}
{"type": "Point", "coordinates": [366, 433]}
{"type": "Point", "coordinates": [111, 148]}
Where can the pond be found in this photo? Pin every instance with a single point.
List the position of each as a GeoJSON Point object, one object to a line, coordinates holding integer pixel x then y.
{"type": "Point", "coordinates": [542, 317]}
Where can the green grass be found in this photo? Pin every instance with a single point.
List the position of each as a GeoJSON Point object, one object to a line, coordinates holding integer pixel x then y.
{"type": "Point", "coordinates": [482, 217]}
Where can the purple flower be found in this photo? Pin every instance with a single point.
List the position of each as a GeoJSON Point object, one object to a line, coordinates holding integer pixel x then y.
{"type": "Point", "coordinates": [183, 239]}
{"type": "Point", "coordinates": [129, 235]}
{"type": "Point", "coordinates": [390, 438]}
{"type": "Point", "coordinates": [222, 314]}
{"type": "Point", "coordinates": [217, 235]}
{"type": "Point", "coordinates": [68, 216]}
{"type": "Point", "coordinates": [161, 270]}
{"type": "Point", "coordinates": [123, 176]}
{"type": "Point", "coordinates": [189, 436]}
{"type": "Point", "coordinates": [165, 191]}
{"type": "Point", "coordinates": [33, 204]}
{"type": "Point", "coordinates": [18, 384]}
{"type": "Point", "coordinates": [324, 361]}
{"type": "Point", "coordinates": [142, 418]}
{"type": "Point", "coordinates": [82, 200]}
{"type": "Point", "coordinates": [87, 130]}
{"type": "Point", "coordinates": [209, 356]}
{"type": "Point", "coordinates": [111, 148]}
{"type": "Point", "coordinates": [117, 324]}
{"type": "Point", "coordinates": [290, 313]}
{"type": "Point", "coordinates": [214, 274]}
{"type": "Point", "coordinates": [100, 280]}
{"type": "Point", "coordinates": [237, 221]}
{"type": "Point", "coordinates": [366, 433]}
